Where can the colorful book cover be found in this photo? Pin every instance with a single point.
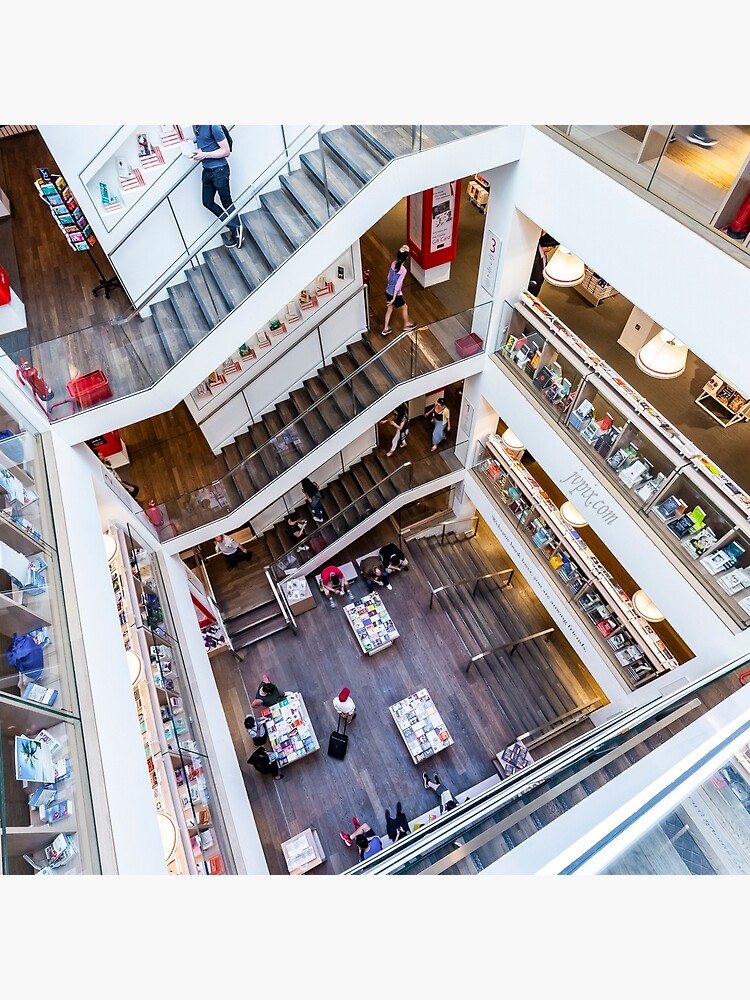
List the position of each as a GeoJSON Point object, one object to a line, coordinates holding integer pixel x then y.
{"type": "Point", "coordinates": [33, 760]}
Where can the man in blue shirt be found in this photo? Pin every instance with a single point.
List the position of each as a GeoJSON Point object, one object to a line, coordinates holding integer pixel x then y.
{"type": "Point", "coordinates": [213, 149]}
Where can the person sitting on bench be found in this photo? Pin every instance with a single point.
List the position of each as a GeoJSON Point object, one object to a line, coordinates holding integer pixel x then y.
{"type": "Point", "coordinates": [393, 558]}
{"type": "Point", "coordinates": [374, 573]}
{"type": "Point", "coordinates": [333, 581]}
{"type": "Point", "coordinates": [444, 794]}
{"type": "Point", "coordinates": [366, 841]}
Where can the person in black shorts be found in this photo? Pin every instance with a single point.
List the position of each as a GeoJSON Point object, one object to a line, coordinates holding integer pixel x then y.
{"type": "Point", "coordinates": [393, 291]}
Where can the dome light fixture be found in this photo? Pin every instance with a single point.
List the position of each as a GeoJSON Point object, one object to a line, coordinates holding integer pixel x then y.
{"type": "Point", "coordinates": [571, 516]}
{"type": "Point", "coordinates": [110, 546]}
{"type": "Point", "coordinates": [168, 831]}
{"type": "Point", "coordinates": [645, 607]}
{"type": "Point", "coordinates": [135, 666]}
{"type": "Point", "coordinates": [564, 269]}
{"type": "Point", "coordinates": [664, 356]}
{"type": "Point", "coordinates": [512, 443]}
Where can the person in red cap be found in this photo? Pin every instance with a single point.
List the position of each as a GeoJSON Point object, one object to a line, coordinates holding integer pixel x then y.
{"type": "Point", "coordinates": [344, 705]}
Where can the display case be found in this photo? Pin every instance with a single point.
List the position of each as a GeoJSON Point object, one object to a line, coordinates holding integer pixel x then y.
{"type": "Point", "coordinates": [132, 162]}
{"type": "Point", "coordinates": [46, 815]}
{"type": "Point", "coordinates": [178, 766]}
{"type": "Point", "coordinates": [628, 641]}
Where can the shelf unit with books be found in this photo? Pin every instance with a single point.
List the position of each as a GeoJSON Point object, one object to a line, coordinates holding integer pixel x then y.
{"type": "Point", "coordinates": [629, 642]}
{"type": "Point", "coordinates": [180, 775]}
{"type": "Point", "coordinates": [723, 401]}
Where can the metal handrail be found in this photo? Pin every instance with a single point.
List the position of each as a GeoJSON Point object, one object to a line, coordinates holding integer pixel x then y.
{"type": "Point", "coordinates": [283, 603]}
{"type": "Point", "coordinates": [558, 724]}
{"type": "Point", "coordinates": [453, 520]}
{"type": "Point", "coordinates": [319, 527]}
{"type": "Point", "coordinates": [475, 580]}
{"type": "Point", "coordinates": [513, 643]}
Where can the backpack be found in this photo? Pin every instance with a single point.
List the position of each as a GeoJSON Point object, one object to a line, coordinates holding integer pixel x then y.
{"type": "Point", "coordinates": [228, 134]}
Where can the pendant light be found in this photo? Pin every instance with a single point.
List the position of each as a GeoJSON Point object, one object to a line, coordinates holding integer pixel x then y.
{"type": "Point", "coordinates": [664, 356]}
{"type": "Point", "coordinates": [135, 666]}
{"type": "Point", "coordinates": [168, 831]}
{"type": "Point", "coordinates": [564, 269]}
{"type": "Point", "coordinates": [110, 546]}
{"type": "Point", "coordinates": [645, 607]}
{"type": "Point", "coordinates": [571, 516]}
{"type": "Point", "coordinates": [512, 443]}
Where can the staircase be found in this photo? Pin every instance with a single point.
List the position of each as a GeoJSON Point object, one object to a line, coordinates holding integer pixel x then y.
{"type": "Point", "coordinates": [541, 681]}
{"type": "Point", "coordinates": [326, 401]}
{"type": "Point", "coordinates": [221, 278]}
{"type": "Point", "coordinates": [265, 618]}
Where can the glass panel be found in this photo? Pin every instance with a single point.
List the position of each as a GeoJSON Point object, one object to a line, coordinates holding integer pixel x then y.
{"type": "Point", "coordinates": [203, 274]}
{"type": "Point", "coordinates": [336, 397]}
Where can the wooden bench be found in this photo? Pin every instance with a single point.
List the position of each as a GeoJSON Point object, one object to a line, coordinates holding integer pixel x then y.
{"type": "Point", "coordinates": [348, 569]}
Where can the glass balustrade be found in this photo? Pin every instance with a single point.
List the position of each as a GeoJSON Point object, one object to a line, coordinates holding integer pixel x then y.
{"type": "Point", "coordinates": [275, 444]}
{"type": "Point", "coordinates": [201, 279]}
{"type": "Point", "coordinates": [701, 170]}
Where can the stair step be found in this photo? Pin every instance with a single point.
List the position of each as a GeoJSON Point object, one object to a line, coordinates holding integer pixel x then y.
{"type": "Point", "coordinates": [313, 419]}
{"type": "Point", "coordinates": [331, 176]}
{"type": "Point", "coordinates": [364, 390]}
{"type": "Point", "coordinates": [362, 353]}
{"type": "Point", "coordinates": [189, 312]}
{"type": "Point", "coordinates": [265, 631]}
{"type": "Point", "coordinates": [170, 330]}
{"type": "Point", "coordinates": [269, 239]}
{"type": "Point", "coordinates": [357, 155]}
{"type": "Point", "coordinates": [309, 196]}
{"type": "Point", "coordinates": [341, 393]}
{"type": "Point", "coordinates": [228, 275]}
{"type": "Point", "coordinates": [287, 441]}
{"type": "Point", "coordinates": [349, 516]}
{"type": "Point", "coordinates": [250, 262]}
{"type": "Point", "coordinates": [288, 413]}
{"type": "Point", "coordinates": [252, 616]}
{"type": "Point", "coordinates": [266, 457]}
{"type": "Point", "coordinates": [295, 226]}
{"type": "Point", "coordinates": [208, 293]}
{"type": "Point", "coordinates": [145, 334]}
{"type": "Point", "coordinates": [390, 141]}
{"type": "Point", "coordinates": [328, 408]}
{"type": "Point", "coordinates": [275, 547]}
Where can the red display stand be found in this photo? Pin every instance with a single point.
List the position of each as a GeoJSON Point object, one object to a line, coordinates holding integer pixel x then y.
{"type": "Point", "coordinates": [4, 287]}
{"type": "Point", "coordinates": [432, 227]}
{"type": "Point", "coordinates": [107, 444]}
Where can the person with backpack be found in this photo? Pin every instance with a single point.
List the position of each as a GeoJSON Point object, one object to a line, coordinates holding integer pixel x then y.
{"type": "Point", "coordinates": [394, 291]}
{"type": "Point", "coordinates": [214, 146]}
{"type": "Point", "coordinates": [311, 491]}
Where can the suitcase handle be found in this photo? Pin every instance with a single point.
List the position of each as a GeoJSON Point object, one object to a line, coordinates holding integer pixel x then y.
{"type": "Point", "coordinates": [339, 723]}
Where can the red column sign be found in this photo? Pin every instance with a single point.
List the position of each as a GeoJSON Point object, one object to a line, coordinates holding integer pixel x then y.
{"type": "Point", "coordinates": [432, 225]}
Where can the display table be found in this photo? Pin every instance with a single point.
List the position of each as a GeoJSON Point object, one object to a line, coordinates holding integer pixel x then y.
{"type": "Point", "coordinates": [420, 725]}
{"type": "Point", "coordinates": [514, 758]}
{"type": "Point", "coordinates": [298, 595]}
{"type": "Point", "coordinates": [289, 729]}
{"type": "Point", "coordinates": [303, 852]}
{"type": "Point", "coordinates": [371, 624]}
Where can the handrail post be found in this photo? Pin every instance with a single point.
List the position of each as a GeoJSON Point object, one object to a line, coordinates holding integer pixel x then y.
{"type": "Point", "coordinates": [432, 596]}
{"type": "Point", "coordinates": [507, 582]}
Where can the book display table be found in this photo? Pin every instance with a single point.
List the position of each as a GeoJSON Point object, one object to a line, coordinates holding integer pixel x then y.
{"type": "Point", "coordinates": [371, 624]}
{"type": "Point", "coordinates": [303, 852]}
{"type": "Point", "coordinates": [420, 725]}
{"type": "Point", "coordinates": [299, 595]}
{"type": "Point", "coordinates": [289, 729]}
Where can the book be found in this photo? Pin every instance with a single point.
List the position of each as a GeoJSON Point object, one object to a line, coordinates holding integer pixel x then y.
{"type": "Point", "coordinates": [62, 850]}
{"type": "Point", "coordinates": [55, 811]}
{"type": "Point", "coordinates": [32, 760]}
{"type": "Point", "coordinates": [53, 745]}
{"type": "Point", "coordinates": [42, 796]}
{"type": "Point", "coordinates": [61, 769]}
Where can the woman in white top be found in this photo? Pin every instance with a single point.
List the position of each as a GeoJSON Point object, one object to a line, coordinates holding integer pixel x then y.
{"type": "Point", "coordinates": [232, 551]}
{"type": "Point", "coordinates": [344, 705]}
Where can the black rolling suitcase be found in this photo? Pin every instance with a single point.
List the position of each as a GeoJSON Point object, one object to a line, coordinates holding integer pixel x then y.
{"type": "Point", "coordinates": [338, 742]}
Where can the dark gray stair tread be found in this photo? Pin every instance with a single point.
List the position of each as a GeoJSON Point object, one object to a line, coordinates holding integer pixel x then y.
{"type": "Point", "coordinates": [313, 419]}
{"type": "Point", "coordinates": [245, 443]}
{"type": "Point", "coordinates": [294, 224]}
{"type": "Point", "coordinates": [341, 392]}
{"type": "Point", "coordinates": [189, 312]}
{"type": "Point", "coordinates": [250, 262]}
{"type": "Point", "coordinates": [275, 547]}
{"type": "Point", "coordinates": [265, 453]}
{"type": "Point", "coordinates": [342, 499]}
{"type": "Point", "coordinates": [243, 482]}
{"type": "Point", "coordinates": [363, 505]}
{"type": "Point", "coordinates": [375, 371]}
{"type": "Point", "coordinates": [208, 293]}
{"type": "Point", "coordinates": [265, 631]}
{"type": "Point", "coordinates": [269, 239]}
{"type": "Point", "coordinates": [325, 405]}
{"type": "Point", "coordinates": [341, 183]}
{"type": "Point", "coordinates": [170, 330]}
{"type": "Point", "coordinates": [361, 474]}
{"type": "Point", "coordinates": [364, 390]}
{"type": "Point", "coordinates": [288, 413]}
{"type": "Point", "coordinates": [229, 277]}
{"type": "Point", "coordinates": [309, 196]}
{"type": "Point", "coordinates": [145, 333]}
{"type": "Point", "coordinates": [291, 448]}
{"type": "Point", "coordinates": [251, 616]}
{"type": "Point", "coordinates": [357, 155]}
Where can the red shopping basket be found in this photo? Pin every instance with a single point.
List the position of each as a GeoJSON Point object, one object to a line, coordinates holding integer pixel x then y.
{"type": "Point", "coordinates": [91, 388]}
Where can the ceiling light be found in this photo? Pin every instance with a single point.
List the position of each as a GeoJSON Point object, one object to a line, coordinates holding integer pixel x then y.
{"type": "Point", "coordinates": [571, 516]}
{"type": "Point", "coordinates": [564, 269]}
{"type": "Point", "coordinates": [664, 356]}
{"type": "Point", "coordinates": [168, 831]}
{"type": "Point", "coordinates": [512, 442]}
{"type": "Point", "coordinates": [646, 608]}
{"type": "Point", "coordinates": [135, 665]}
{"type": "Point", "coordinates": [110, 546]}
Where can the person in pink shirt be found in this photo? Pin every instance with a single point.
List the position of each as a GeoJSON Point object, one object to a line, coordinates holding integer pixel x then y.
{"type": "Point", "coordinates": [394, 296]}
{"type": "Point", "coordinates": [333, 582]}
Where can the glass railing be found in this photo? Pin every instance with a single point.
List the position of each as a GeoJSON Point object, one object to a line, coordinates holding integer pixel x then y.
{"type": "Point", "coordinates": [484, 828]}
{"type": "Point", "coordinates": [202, 277]}
{"type": "Point", "coordinates": [701, 170]}
{"type": "Point", "coordinates": [336, 401]}
{"type": "Point", "coordinates": [364, 511]}
{"type": "Point", "coordinates": [692, 505]}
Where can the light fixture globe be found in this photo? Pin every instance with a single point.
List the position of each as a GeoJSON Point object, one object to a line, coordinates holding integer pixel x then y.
{"type": "Point", "coordinates": [564, 269]}
{"type": "Point", "coordinates": [110, 546]}
{"type": "Point", "coordinates": [135, 666]}
{"type": "Point", "coordinates": [512, 443]}
{"type": "Point", "coordinates": [571, 516]}
{"type": "Point", "coordinates": [645, 607]}
{"type": "Point", "coordinates": [664, 356]}
{"type": "Point", "coordinates": [168, 831]}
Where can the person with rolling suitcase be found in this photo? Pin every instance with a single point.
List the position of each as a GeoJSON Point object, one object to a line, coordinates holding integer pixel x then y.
{"type": "Point", "coordinates": [338, 742]}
